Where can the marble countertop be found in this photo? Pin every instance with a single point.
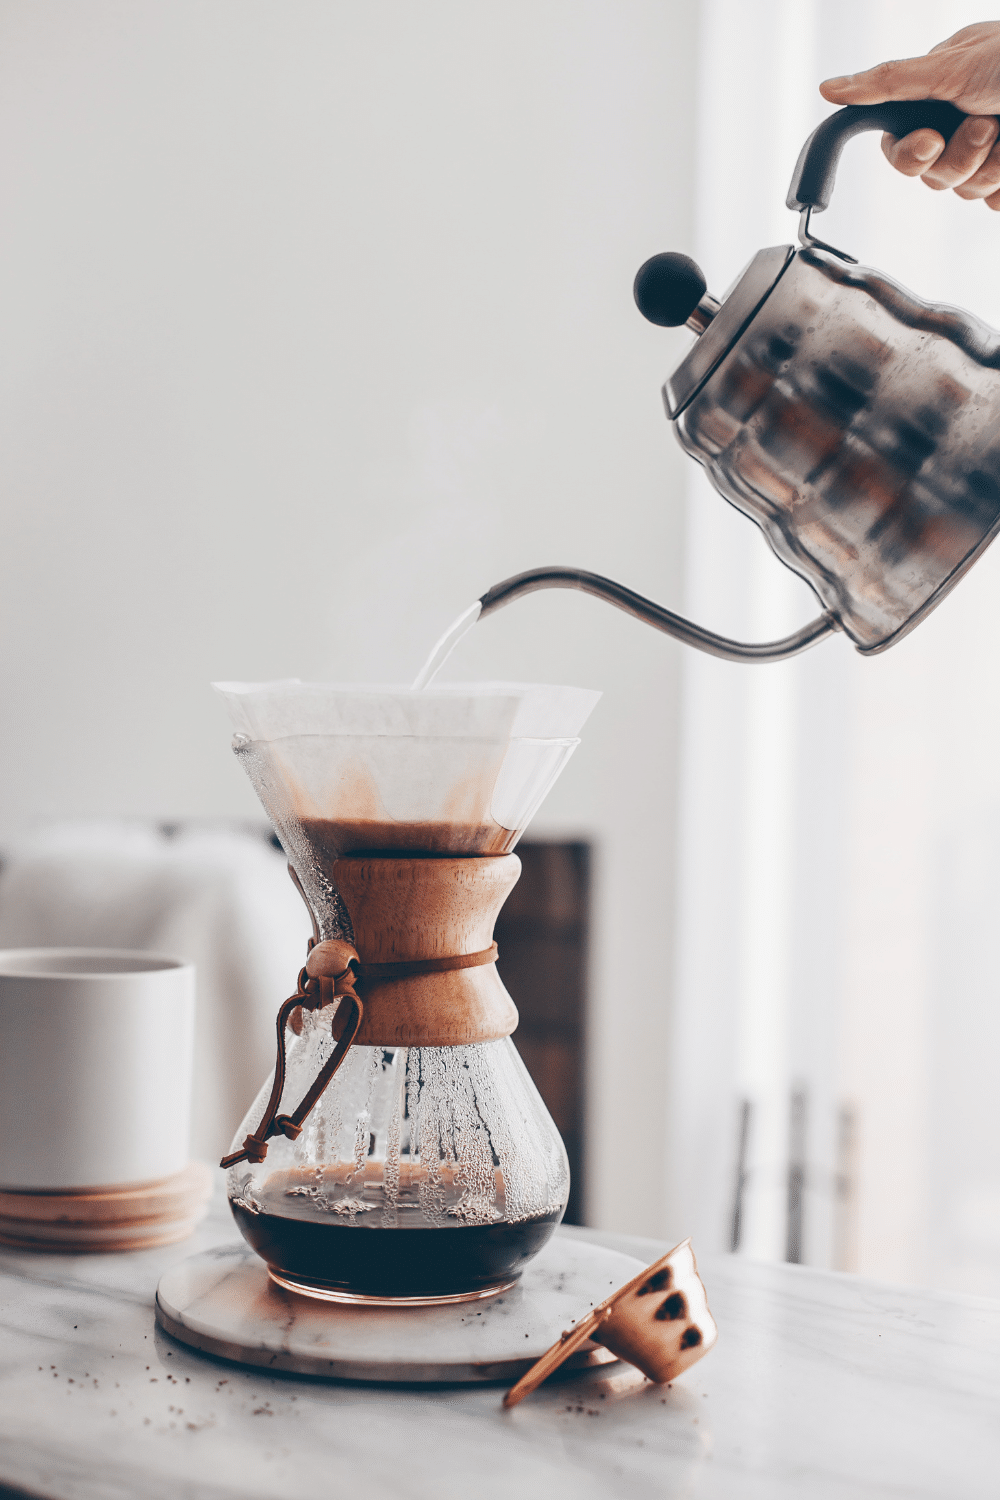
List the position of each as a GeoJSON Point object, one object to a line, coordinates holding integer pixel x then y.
{"type": "Point", "coordinates": [821, 1386]}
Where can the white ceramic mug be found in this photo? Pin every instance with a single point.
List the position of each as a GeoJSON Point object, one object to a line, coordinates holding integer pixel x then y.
{"type": "Point", "coordinates": [96, 1052]}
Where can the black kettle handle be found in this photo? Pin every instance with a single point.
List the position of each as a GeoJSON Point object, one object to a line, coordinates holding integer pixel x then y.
{"type": "Point", "coordinates": [816, 169]}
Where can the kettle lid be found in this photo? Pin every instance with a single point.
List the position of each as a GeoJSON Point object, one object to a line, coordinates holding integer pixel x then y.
{"type": "Point", "coordinates": [743, 301]}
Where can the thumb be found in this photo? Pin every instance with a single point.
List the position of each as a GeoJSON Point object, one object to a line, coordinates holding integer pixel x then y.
{"type": "Point", "coordinates": [909, 78]}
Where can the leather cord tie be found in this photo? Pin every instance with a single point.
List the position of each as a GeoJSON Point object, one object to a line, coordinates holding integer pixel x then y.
{"type": "Point", "coordinates": [409, 968]}
{"type": "Point", "coordinates": [332, 971]}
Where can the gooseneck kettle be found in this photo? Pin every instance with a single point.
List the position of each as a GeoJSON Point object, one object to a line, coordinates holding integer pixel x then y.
{"type": "Point", "coordinates": [858, 426]}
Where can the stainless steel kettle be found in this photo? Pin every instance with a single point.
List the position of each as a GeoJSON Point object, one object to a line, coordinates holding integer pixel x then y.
{"type": "Point", "coordinates": [858, 426]}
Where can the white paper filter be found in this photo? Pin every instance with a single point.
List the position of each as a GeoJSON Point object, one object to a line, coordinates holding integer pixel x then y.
{"type": "Point", "coordinates": [389, 765]}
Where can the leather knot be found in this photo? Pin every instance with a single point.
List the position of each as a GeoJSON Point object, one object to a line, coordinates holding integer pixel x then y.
{"type": "Point", "coordinates": [287, 1126]}
{"type": "Point", "coordinates": [334, 959]}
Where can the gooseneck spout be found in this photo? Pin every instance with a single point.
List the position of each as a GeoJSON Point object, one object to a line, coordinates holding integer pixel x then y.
{"type": "Point", "coordinates": [655, 614]}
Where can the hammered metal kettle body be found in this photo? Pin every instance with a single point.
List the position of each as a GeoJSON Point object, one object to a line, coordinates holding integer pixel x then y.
{"type": "Point", "coordinates": [858, 426]}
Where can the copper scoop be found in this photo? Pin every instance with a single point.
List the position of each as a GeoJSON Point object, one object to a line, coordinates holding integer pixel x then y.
{"type": "Point", "coordinates": [659, 1321]}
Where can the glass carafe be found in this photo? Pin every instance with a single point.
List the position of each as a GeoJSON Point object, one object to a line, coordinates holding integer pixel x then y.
{"type": "Point", "coordinates": [427, 1168]}
{"type": "Point", "coordinates": [423, 1172]}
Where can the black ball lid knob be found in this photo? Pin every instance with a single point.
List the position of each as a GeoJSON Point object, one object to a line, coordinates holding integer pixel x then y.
{"type": "Point", "coordinates": [668, 288]}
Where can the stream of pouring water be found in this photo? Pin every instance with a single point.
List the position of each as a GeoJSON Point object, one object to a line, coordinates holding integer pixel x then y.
{"type": "Point", "coordinates": [446, 645]}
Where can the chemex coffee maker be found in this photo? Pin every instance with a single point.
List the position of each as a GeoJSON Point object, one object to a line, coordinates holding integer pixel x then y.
{"type": "Point", "coordinates": [400, 1154]}
{"type": "Point", "coordinates": [856, 425]}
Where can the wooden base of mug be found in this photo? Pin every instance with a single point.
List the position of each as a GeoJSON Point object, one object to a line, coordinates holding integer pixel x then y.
{"type": "Point", "coordinates": [137, 1216]}
{"type": "Point", "coordinates": [105, 1243]}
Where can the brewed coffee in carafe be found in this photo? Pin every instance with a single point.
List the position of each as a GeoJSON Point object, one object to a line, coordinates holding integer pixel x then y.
{"type": "Point", "coordinates": [427, 1167]}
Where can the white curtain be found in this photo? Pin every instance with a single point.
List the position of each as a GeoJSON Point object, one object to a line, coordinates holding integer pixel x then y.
{"type": "Point", "coordinates": [837, 1031]}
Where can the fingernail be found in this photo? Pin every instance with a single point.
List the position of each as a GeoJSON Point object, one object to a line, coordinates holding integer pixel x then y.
{"type": "Point", "coordinates": [981, 132]}
{"type": "Point", "coordinates": [832, 83]}
{"type": "Point", "coordinates": [925, 151]}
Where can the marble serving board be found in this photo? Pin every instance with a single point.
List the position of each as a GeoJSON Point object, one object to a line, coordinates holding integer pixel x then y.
{"type": "Point", "coordinates": [223, 1302]}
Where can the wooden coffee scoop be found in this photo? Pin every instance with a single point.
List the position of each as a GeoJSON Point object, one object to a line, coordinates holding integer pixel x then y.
{"type": "Point", "coordinates": [658, 1321]}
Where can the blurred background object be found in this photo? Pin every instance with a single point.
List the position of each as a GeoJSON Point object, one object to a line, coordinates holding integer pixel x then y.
{"type": "Point", "coordinates": [217, 896]}
{"type": "Point", "coordinates": [543, 934]}
{"type": "Point", "coordinates": [318, 322]}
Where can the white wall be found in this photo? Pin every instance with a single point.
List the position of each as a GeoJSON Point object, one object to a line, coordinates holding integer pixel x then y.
{"type": "Point", "coordinates": [317, 322]}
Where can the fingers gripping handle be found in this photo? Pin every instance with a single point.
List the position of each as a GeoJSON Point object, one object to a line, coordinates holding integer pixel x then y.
{"type": "Point", "coordinates": [816, 169]}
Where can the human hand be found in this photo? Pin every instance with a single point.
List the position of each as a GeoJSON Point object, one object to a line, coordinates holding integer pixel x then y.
{"type": "Point", "coordinates": [964, 70]}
